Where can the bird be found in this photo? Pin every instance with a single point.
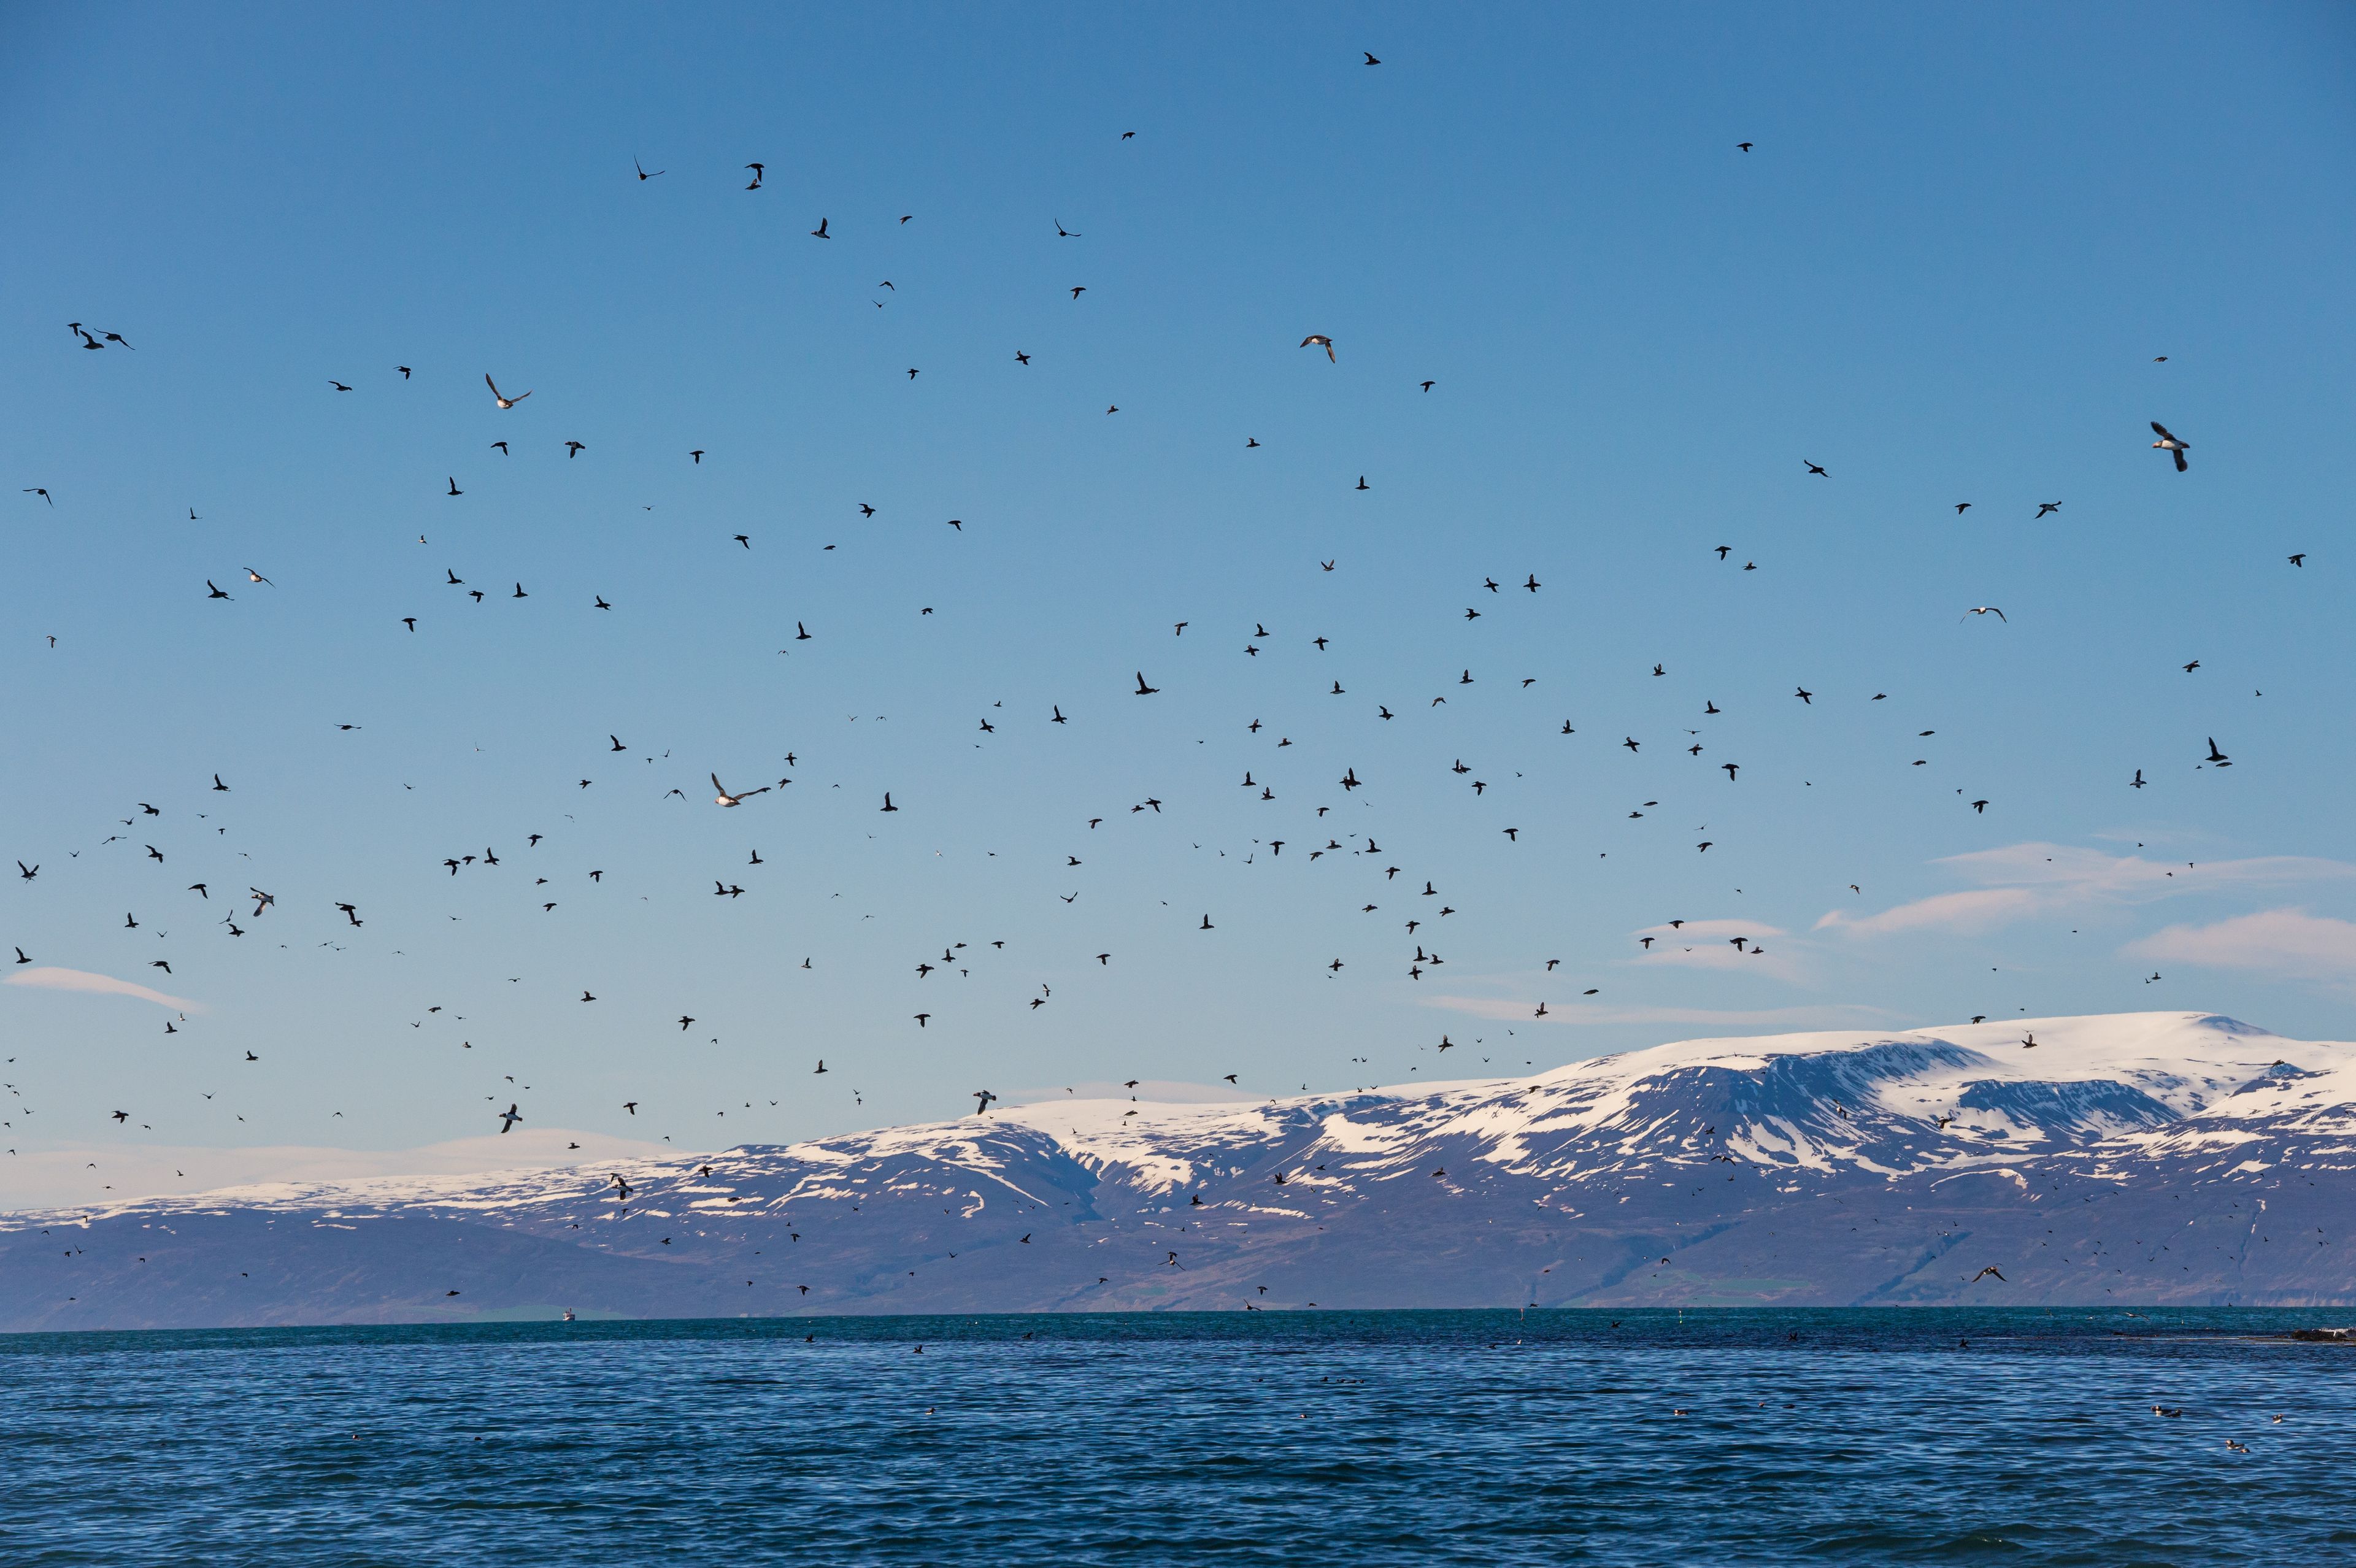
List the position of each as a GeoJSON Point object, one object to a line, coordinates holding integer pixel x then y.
{"type": "Point", "coordinates": [254, 576]}
{"type": "Point", "coordinates": [1370, 59]}
{"type": "Point", "coordinates": [339, 386]}
{"type": "Point", "coordinates": [2045, 507]}
{"type": "Point", "coordinates": [2217, 758]}
{"type": "Point", "coordinates": [498, 396]}
{"type": "Point", "coordinates": [509, 1117]}
{"type": "Point", "coordinates": [1813, 469]}
{"type": "Point", "coordinates": [2299, 559]}
{"type": "Point", "coordinates": [1985, 1273]}
{"type": "Point", "coordinates": [1322, 341]}
{"type": "Point", "coordinates": [454, 487]}
{"type": "Point", "coordinates": [821, 232]}
{"type": "Point", "coordinates": [213, 592]}
{"type": "Point", "coordinates": [1985, 610]}
{"type": "Point", "coordinates": [643, 175]}
{"type": "Point", "coordinates": [1744, 146]}
{"type": "Point", "coordinates": [2136, 783]}
{"type": "Point", "coordinates": [981, 1099]}
{"type": "Point", "coordinates": [1143, 689]}
{"type": "Point", "coordinates": [44, 494]}
{"type": "Point", "coordinates": [759, 172]}
{"type": "Point", "coordinates": [721, 795]}
{"type": "Point", "coordinates": [2169, 444]}
{"type": "Point", "coordinates": [575, 449]}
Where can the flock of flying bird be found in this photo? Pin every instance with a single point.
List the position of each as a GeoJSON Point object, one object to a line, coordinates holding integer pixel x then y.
{"type": "Point", "coordinates": [1317, 838]}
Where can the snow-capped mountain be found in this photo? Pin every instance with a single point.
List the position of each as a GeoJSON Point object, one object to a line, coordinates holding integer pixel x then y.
{"type": "Point", "coordinates": [2140, 1157]}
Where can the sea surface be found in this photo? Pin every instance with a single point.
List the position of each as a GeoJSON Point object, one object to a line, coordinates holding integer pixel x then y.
{"type": "Point", "coordinates": [1723, 1437]}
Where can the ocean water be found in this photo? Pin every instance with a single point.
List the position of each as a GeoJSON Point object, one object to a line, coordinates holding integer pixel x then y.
{"type": "Point", "coordinates": [1879, 1437]}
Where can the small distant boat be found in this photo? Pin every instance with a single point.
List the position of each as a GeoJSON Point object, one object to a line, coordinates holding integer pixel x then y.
{"type": "Point", "coordinates": [568, 1315]}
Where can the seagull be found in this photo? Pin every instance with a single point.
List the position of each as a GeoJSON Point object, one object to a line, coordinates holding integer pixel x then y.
{"type": "Point", "coordinates": [505, 403]}
{"type": "Point", "coordinates": [724, 798]}
{"type": "Point", "coordinates": [2168, 443]}
{"type": "Point", "coordinates": [1322, 341]}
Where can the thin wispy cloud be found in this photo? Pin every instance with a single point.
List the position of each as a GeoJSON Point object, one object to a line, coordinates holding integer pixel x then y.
{"type": "Point", "coordinates": [1149, 1091]}
{"type": "Point", "coordinates": [48, 979]}
{"type": "Point", "coordinates": [1599, 1013]}
{"type": "Point", "coordinates": [2272, 941]}
{"type": "Point", "coordinates": [2020, 882]}
{"type": "Point", "coordinates": [1710, 945]}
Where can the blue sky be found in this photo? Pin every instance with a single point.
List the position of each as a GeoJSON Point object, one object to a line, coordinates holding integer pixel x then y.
{"type": "Point", "coordinates": [1944, 274]}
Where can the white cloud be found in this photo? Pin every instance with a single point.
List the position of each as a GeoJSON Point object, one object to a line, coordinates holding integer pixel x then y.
{"type": "Point", "coordinates": [2020, 881]}
{"type": "Point", "coordinates": [1149, 1091]}
{"type": "Point", "coordinates": [2276, 941]}
{"type": "Point", "coordinates": [1582, 1012]}
{"type": "Point", "coordinates": [73, 1175]}
{"type": "Point", "coordinates": [46, 979]}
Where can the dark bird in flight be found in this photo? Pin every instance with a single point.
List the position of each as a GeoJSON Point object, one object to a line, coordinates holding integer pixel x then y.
{"type": "Point", "coordinates": [1143, 689]}
{"type": "Point", "coordinates": [1370, 59]}
{"type": "Point", "coordinates": [497, 396]}
{"type": "Point", "coordinates": [2217, 758]}
{"type": "Point", "coordinates": [758, 173]}
{"type": "Point", "coordinates": [2045, 507]}
{"type": "Point", "coordinates": [1984, 1274]}
{"type": "Point", "coordinates": [454, 487]}
{"type": "Point", "coordinates": [214, 592]}
{"type": "Point", "coordinates": [44, 494]}
{"type": "Point", "coordinates": [1322, 341]}
{"type": "Point", "coordinates": [338, 386]}
{"type": "Point", "coordinates": [573, 449]}
{"type": "Point", "coordinates": [643, 175]}
{"type": "Point", "coordinates": [2169, 444]}
{"type": "Point", "coordinates": [1745, 147]}
{"type": "Point", "coordinates": [820, 232]}
{"type": "Point", "coordinates": [509, 1117]}
{"type": "Point", "coordinates": [1819, 472]}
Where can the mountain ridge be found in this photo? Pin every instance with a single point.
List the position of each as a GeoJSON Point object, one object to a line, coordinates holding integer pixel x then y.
{"type": "Point", "coordinates": [2176, 1157]}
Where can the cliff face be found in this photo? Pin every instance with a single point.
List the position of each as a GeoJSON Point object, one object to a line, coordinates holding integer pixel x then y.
{"type": "Point", "coordinates": [2143, 1157]}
